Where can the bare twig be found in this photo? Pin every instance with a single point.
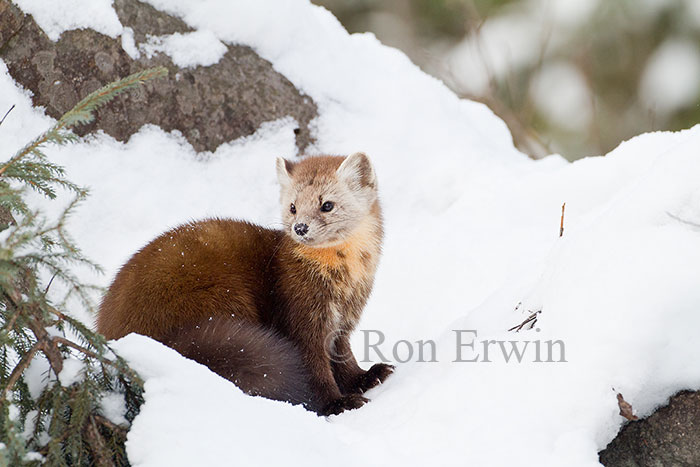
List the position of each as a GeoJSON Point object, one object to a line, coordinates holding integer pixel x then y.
{"type": "Point", "coordinates": [54, 311]}
{"type": "Point", "coordinates": [78, 347]}
{"type": "Point", "coordinates": [43, 343]}
{"type": "Point", "coordinates": [9, 326]}
{"type": "Point", "coordinates": [48, 345]}
{"type": "Point", "coordinates": [20, 367]}
{"type": "Point", "coordinates": [561, 225]}
{"type": "Point", "coordinates": [6, 114]}
{"type": "Point", "coordinates": [49, 284]}
{"type": "Point", "coordinates": [530, 320]}
{"type": "Point", "coordinates": [50, 349]}
{"type": "Point", "coordinates": [109, 424]}
{"type": "Point", "coordinates": [86, 351]}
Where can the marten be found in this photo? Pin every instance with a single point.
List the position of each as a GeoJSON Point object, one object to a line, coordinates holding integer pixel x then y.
{"type": "Point", "coordinates": [271, 310]}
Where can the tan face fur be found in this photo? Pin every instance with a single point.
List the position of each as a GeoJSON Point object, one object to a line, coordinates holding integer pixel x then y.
{"type": "Point", "coordinates": [349, 183]}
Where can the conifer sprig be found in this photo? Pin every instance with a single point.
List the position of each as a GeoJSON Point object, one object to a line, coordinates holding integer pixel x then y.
{"type": "Point", "coordinates": [30, 166]}
{"type": "Point", "coordinates": [55, 419]}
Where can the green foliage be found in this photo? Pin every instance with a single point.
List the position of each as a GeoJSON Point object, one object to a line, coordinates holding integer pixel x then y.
{"type": "Point", "coordinates": [44, 418]}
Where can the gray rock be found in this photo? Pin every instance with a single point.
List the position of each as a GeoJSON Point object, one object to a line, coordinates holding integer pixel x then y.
{"type": "Point", "coordinates": [668, 437]}
{"type": "Point", "coordinates": [208, 105]}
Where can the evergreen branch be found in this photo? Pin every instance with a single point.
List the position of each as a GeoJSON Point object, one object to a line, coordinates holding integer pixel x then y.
{"type": "Point", "coordinates": [106, 422]}
{"type": "Point", "coordinates": [84, 350]}
{"type": "Point", "coordinates": [19, 369]}
{"type": "Point", "coordinates": [65, 424]}
{"type": "Point", "coordinates": [10, 324]}
{"type": "Point", "coordinates": [102, 454]}
{"type": "Point", "coordinates": [83, 112]}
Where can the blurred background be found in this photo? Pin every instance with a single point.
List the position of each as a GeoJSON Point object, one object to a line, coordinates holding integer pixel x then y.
{"type": "Point", "coordinates": [575, 77]}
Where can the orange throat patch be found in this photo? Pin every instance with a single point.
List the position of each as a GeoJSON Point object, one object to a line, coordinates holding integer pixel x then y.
{"type": "Point", "coordinates": [358, 255]}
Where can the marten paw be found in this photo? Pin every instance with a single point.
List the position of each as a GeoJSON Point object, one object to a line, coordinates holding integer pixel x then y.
{"type": "Point", "coordinates": [340, 405]}
{"type": "Point", "coordinates": [374, 376]}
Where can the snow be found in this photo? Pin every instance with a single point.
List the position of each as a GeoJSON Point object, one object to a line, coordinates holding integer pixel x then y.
{"type": "Point", "coordinates": [34, 457]}
{"type": "Point", "coordinates": [188, 50]}
{"type": "Point", "coordinates": [218, 436]}
{"type": "Point", "coordinates": [472, 232]}
{"type": "Point", "coordinates": [37, 375]}
{"type": "Point", "coordinates": [129, 43]}
{"type": "Point", "coordinates": [55, 19]}
{"type": "Point", "coordinates": [72, 372]}
{"type": "Point", "coordinates": [113, 406]}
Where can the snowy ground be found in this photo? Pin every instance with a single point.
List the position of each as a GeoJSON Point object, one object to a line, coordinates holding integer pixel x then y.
{"type": "Point", "coordinates": [472, 231]}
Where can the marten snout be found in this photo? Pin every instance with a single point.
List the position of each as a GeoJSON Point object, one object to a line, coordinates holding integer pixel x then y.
{"type": "Point", "coordinates": [301, 229]}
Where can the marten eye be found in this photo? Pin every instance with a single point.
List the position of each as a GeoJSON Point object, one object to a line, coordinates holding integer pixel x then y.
{"type": "Point", "coordinates": [327, 206]}
{"type": "Point", "coordinates": [293, 209]}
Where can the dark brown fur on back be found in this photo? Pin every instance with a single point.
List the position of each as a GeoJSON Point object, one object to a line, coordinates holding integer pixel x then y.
{"type": "Point", "coordinates": [216, 267]}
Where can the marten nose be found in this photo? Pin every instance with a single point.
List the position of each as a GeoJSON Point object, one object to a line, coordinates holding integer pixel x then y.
{"type": "Point", "coordinates": [301, 229]}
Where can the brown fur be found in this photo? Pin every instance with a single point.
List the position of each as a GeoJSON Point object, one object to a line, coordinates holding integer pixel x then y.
{"type": "Point", "coordinates": [308, 295]}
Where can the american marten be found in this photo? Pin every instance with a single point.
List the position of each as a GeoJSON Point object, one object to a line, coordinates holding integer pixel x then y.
{"type": "Point", "coordinates": [270, 310]}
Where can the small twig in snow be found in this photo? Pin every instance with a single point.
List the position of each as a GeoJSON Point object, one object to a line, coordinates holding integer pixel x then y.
{"type": "Point", "coordinates": [561, 225]}
{"type": "Point", "coordinates": [531, 320]}
{"type": "Point", "coordinates": [6, 114]}
{"type": "Point", "coordinates": [49, 284]}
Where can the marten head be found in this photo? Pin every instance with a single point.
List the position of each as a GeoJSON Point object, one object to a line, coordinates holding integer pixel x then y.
{"type": "Point", "coordinates": [326, 199]}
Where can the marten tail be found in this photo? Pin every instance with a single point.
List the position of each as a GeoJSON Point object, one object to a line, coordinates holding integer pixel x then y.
{"type": "Point", "coordinates": [257, 360]}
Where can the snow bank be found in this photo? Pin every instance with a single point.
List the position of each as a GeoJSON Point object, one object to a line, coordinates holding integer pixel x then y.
{"type": "Point", "coordinates": [189, 50]}
{"type": "Point", "coordinates": [472, 245]}
{"type": "Point", "coordinates": [55, 19]}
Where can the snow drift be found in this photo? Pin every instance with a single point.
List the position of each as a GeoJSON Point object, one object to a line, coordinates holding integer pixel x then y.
{"type": "Point", "coordinates": [472, 248]}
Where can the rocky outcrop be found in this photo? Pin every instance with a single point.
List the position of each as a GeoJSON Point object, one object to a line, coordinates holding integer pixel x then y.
{"type": "Point", "coordinates": [208, 105]}
{"type": "Point", "coordinates": [668, 437]}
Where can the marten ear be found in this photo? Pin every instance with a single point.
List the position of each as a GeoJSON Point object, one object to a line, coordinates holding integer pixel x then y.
{"type": "Point", "coordinates": [284, 168]}
{"type": "Point", "coordinates": [357, 169]}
